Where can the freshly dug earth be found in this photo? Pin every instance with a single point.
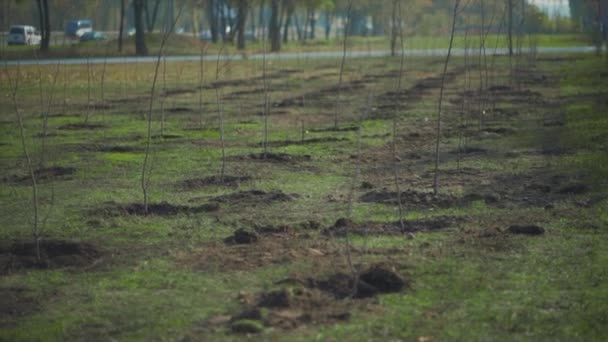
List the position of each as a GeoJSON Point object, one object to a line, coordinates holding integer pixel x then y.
{"type": "Point", "coordinates": [313, 301]}
{"type": "Point", "coordinates": [197, 183]}
{"type": "Point", "coordinates": [158, 209]}
{"type": "Point", "coordinates": [273, 157]}
{"type": "Point", "coordinates": [44, 174]}
{"type": "Point", "coordinates": [526, 230]}
{"type": "Point", "coordinates": [254, 197]}
{"type": "Point", "coordinates": [410, 198]}
{"type": "Point", "coordinates": [344, 226]}
{"type": "Point", "coordinates": [53, 254]}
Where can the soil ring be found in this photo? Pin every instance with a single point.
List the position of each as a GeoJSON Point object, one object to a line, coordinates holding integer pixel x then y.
{"type": "Point", "coordinates": [113, 209]}
{"type": "Point", "coordinates": [313, 302]}
{"type": "Point", "coordinates": [344, 226]}
{"type": "Point", "coordinates": [53, 254]}
{"type": "Point", "coordinates": [81, 125]}
{"type": "Point", "coordinates": [410, 198]}
{"type": "Point", "coordinates": [273, 157]}
{"type": "Point", "coordinates": [526, 230]}
{"type": "Point", "coordinates": [198, 183]}
{"type": "Point", "coordinates": [44, 174]}
{"type": "Point", "coordinates": [283, 143]}
{"type": "Point", "coordinates": [252, 197]}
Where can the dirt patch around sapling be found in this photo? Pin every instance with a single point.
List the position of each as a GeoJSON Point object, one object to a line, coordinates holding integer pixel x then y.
{"type": "Point", "coordinates": [113, 209]}
{"type": "Point", "coordinates": [53, 254]}
{"type": "Point", "coordinates": [81, 126]}
{"type": "Point", "coordinates": [303, 301]}
{"type": "Point", "coordinates": [282, 158]}
{"type": "Point", "coordinates": [345, 226]}
{"type": "Point", "coordinates": [43, 174]}
{"type": "Point", "coordinates": [410, 198]}
{"type": "Point", "coordinates": [283, 143]}
{"type": "Point", "coordinates": [253, 197]}
{"type": "Point", "coordinates": [199, 183]}
{"type": "Point", "coordinates": [335, 129]}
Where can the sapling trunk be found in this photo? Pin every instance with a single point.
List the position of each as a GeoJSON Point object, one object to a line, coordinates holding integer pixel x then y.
{"type": "Point", "coordinates": [86, 119]}
{"type": "Point", "coordinates": [220, 113]}
{"type": "Point", "coordinates": [35, 203]}
{"type": "Point", "coordinates": [438, 127]}
{"type": "Point", "coordinates": [201, 77]}
{"type": "Point", "coordinates": [145, 170]}
{"type": "Point", "coordinates": [265, 88]}
{"type": "Point", "coordinates": [45, 118]}
{"type": "Point", "coordinates": [103, 83]}
{"type": "Point", "coordinates": [394, 151]}
{"type": "Point", "coordinates": [342, 63]}
{"type": "Point", "coordinates": [163, 99]}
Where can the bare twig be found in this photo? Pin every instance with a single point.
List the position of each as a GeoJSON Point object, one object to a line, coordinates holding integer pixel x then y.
{"type": "Point", "coordinates": [441, 89]}
{"type": "Point", "coordinates": [342, 63]}
{"type": "Point", "coordinates": [145, 171]}
{"type": "Point", "coordinates": [35, 203]}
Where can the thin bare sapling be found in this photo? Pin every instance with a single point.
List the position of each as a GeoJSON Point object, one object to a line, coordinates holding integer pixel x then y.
{"type": "Point", "coordinates": [220, 113]}
{"type": "Point", "coordinates": [439, 105]}
{"type": "Point", "coordinates": [342, 63]}
{"type": "Point", "coordinates": [146, 168]}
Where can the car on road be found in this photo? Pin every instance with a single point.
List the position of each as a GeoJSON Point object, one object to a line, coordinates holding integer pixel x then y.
{"type": "Point", "coordinates": [76, 28]}
{"type": "Point", "coordinates": [23, 35]}
{"type": "Point", "coordinates": [93, 35]}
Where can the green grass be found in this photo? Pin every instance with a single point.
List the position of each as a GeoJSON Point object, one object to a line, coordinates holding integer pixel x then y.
{"type": "Point", "coordinates": [155, 281]}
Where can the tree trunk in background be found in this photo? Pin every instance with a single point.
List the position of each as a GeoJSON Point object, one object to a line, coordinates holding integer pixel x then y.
{"type": "Point", "coordinates": [151, 20]}
{"type": "Point", "coordinates": [140, 42]}
{"type": "Point", "coordinates": [121, 26]}
{"type": "Point", "coordinates": [289, 9]}
{"type": "Point", "coordinates": [329, 17]}
{"type": "Point", "coordinates": [212, 16]}
{"type": "Point", "coordinates": [241, 24]}
{"type": "Point", "coordinates": [510, 25]}
{"type": "Point", "coordinates": [45, 27]}
{"type": "Point", "coordinates": [274, 29]}
{"type": "Point", "coordinates": [313, 24]}
{"type": "Point", "coordinates": [261, 22]}
{"type": "Point", "coordinates": [40, 16]}
{"type": "Point", "coordinates": [394, 29]}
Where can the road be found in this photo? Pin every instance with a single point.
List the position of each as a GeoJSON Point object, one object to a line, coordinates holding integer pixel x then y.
{"type": "Point", "coordinates": [279, 56]}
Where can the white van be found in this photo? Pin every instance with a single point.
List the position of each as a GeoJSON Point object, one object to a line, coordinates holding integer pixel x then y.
{"type": "Point", "coordinates": [23, 35]}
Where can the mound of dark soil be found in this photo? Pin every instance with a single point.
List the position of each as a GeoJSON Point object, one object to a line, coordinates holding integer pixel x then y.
{"type": "Point", "coordinates": [241, 237]}
{"type": "Point", "coordinates": [469, 150]}
{"type": "Point", "coordinates": [312, 301]}
{"type": "Point", "coordinates": [44, 174]}
{"type": "Point", "coordinates": [574, 189]}
{"type": "Point", "coordinates": [410, 198]}
{"type": "Point", "coordinates": [53, 254]}
{"type": "Point", "coordinates": [343, 226]}
{"type": "Point", "coordinates": [490, 197]}
{"type": "Point", "coordinates": [336, 129]}
{"type": "Point", "coordinates": [179, 110]}
{"type": "Point", "coordinates": [526, 230]}
{"type": "Point", "coordinates": [82, 125]}
{"type": "Point", "coordinates": [166, 136]}
{"type": "Point", "coordinates": [158, 209]}
{"type": "Point", "coordinates": [282, 143]}
{"type": "Point", "coordinates": [254, 197]}
{"type": "Point", "coordinates": [274, 157]}
{"type": "Point", "coordinates": [197, 183]}
{"type": "Point", "coordinates": [372, 281]}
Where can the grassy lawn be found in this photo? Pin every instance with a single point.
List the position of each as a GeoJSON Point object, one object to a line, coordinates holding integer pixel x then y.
{"type": "Point", "coordinates": [536, 157]}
